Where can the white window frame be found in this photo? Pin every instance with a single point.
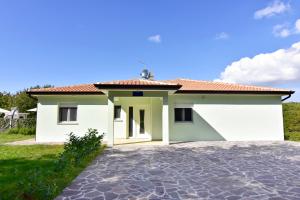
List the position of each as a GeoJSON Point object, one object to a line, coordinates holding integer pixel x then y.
{"type": "Point", "coordinates": [69, 105]}
{"type": "Point", "coordinates": [120, 119]}
{"type": "Point", "coordinates": [183, 106]}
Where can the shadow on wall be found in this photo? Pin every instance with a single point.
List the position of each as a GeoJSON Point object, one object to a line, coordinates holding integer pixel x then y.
{"type": "Point", "coordinates": [199, 129]}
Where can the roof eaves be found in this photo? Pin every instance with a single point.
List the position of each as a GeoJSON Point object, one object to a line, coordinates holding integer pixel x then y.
{"type": "Point", "coordinates": [287, 92]}
{"type": "Point", "coordinates": [64, 93]}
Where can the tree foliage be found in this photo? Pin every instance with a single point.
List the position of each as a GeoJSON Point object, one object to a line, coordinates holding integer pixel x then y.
{"type": "Point", "coordinates": [291, 114]}
{"type": "Point", "coordinates": [20, 99]}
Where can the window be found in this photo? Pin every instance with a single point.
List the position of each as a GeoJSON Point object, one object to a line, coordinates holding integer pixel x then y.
{"type": "Point", "coordinates": [183, 115]}
{"type": "Point", "coordinates": [67, 114]}
{"type": "Point", "coordinates": [117, 112]}
{"type": "Point", "coordinates": [130, 121]}
{"type": "Point", "coordinates": [142, 121]}
{"type": "Point", "coordinates": [137, 93]}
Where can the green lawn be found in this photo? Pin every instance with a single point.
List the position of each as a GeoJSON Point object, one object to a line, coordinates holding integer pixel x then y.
{"type": "Point", "coordinates": [5, 137]}
{"type": "Point", "coordinates": [17, 163]}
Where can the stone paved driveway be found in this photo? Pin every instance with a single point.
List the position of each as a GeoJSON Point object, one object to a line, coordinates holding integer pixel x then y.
{"type": "Point", "coordinates": [198, 170]}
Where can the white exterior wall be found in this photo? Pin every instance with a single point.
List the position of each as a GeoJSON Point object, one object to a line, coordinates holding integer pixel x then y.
{"type": "Point", "coordinates": [91, 113]}
{"type": "Point", "coordinates": [156, 118]}
{"type": "Point", "coordinates": [215, 117]}
{"type": "Point", "coordinates": [228, 117]}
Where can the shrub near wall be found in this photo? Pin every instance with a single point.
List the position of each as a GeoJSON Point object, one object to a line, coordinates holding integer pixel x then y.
{"type": "Point", "coordinates": [78, 148]}
{"type": "Point", "coordinates": [77, 154]}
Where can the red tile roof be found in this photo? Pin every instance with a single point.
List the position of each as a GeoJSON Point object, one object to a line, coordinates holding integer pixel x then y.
{"type": "Point", "coordinates": [83, 88]}
{"type": "Point", "coordinates": [180, 85]}
{"type": "Point", "coordinates": [189, 85]}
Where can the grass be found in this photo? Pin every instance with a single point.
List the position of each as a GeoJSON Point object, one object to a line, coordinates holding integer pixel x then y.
{"type": "Point", "coordinates": [291, 113]}
{"type": "Point", "coordinates": [17, 161]}
{"type": "Point", "coordinates": [6, 137]}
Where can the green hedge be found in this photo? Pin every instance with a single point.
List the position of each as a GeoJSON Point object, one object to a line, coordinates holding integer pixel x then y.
{"type": "Point", "coordinates": [22, 131]}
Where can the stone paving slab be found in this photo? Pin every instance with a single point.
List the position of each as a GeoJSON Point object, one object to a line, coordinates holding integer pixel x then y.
{"type": "Point", "coordinates": [196, 170]}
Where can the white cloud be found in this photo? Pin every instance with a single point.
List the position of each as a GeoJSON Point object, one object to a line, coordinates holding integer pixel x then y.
{"type": "Point", "coordinates": [283, 30]}
{"type": "Point", "coordinates": [277, 7]}
{"type": "Point", "coordinates": [297, 26]}
{"type": "Point", "coordinates": [282, 65]}
{"type": "Point", "coordinates": [154, 38]}
{"type": "Point", "coordinates": [222, 36]}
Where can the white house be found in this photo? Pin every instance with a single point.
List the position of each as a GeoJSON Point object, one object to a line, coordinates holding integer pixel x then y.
{"type": "Point", "coordinates": [170, 110]}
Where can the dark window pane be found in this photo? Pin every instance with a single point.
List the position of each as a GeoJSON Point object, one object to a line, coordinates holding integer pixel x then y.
{"type": "Point", "coordinates": [142, 121]}
{"type": "Point", "coordinates": [73, 114]}
{"type": "Point", "coordinates": [63, 114]}
{"type": "Point", "coordinates": [130, 121]}
{"type": "Point", "coordinates": [137, 93]}
{"type": "Point", "coordinates": [117, 112]}
{"type": "Point", "coordinates": [188, 114]}
{"type": "Point", "coordinates": [178, 114]}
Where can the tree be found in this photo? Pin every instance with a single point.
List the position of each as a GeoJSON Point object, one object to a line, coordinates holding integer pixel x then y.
{"type": "Point", "coordinates": [6, 100]}
{"type": "Point", "coordinates": [21, 99]}
{"type": "Point", "coordinates": [24, 102]}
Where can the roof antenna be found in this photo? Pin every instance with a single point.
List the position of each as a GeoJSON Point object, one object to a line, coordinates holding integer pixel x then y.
{"type": "Point", "coordinates": [146, 74]}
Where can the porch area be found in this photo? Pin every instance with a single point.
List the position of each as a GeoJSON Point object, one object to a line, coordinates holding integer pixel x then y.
{"type": "Point", "coordinates": [139, 119]}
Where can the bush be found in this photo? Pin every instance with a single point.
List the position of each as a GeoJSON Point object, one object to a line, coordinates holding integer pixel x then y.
{"type": "Point", "coordinates": [79, 147]}
{"type": "Point", "coordinates": [22, 131]}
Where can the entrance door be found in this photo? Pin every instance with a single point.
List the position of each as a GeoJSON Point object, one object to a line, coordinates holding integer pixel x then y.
{"type": "Point", "coordinates": [139, 122]}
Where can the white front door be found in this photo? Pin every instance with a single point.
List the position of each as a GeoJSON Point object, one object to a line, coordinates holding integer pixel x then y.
{"type": "Point", "coordinates": [139, 122]}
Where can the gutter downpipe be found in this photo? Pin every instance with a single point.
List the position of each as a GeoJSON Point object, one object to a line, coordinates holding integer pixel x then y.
{"type": "Point", "coordinates": [289, 96]}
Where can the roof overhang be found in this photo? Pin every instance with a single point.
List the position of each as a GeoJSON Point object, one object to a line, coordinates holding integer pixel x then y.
{"type": "Point", "coordinates": [234, 92]}
{"type": "Point", "coordinates": [33, 93]}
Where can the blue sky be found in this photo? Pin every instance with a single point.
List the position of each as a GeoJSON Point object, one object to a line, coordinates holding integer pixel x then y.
{"type": "Point", "coordinates": [70, 42]}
